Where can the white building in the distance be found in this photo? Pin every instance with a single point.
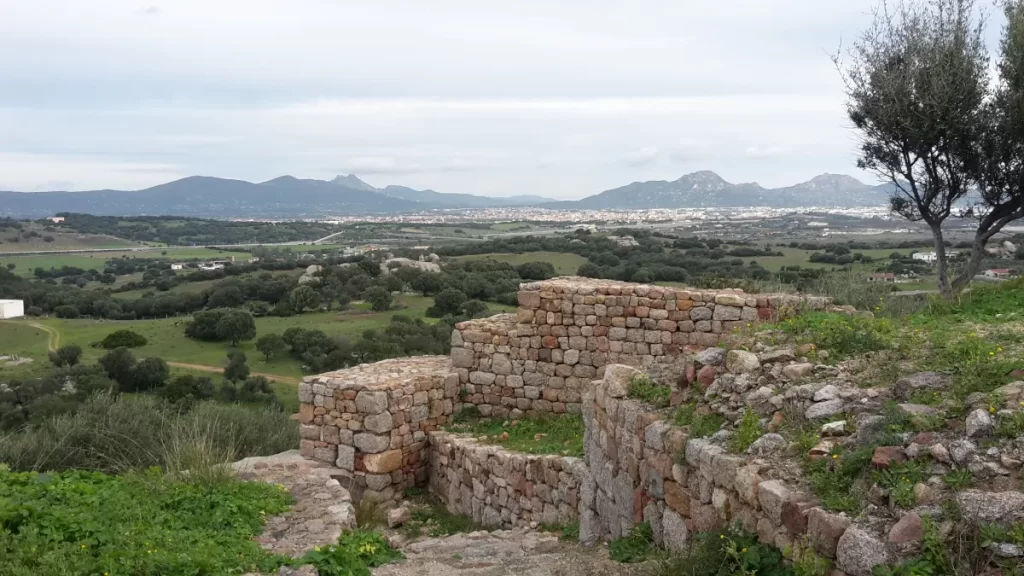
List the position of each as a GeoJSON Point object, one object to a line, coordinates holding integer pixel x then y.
{"type": "Point", "coordinates": [11, 309]}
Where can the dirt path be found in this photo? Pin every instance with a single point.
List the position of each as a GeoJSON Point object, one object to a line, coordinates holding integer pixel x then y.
{"type": "Point", "coordinates": [53, 342]}
{"type": "Point", "coordinates": [204, 368]}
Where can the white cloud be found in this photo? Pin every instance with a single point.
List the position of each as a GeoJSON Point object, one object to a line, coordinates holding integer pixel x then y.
{"type": "Point", "coordinates": [451, 94]}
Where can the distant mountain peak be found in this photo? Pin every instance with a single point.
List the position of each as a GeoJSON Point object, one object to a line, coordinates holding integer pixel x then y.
{"type": "Point", "coordinates": [352, 181]}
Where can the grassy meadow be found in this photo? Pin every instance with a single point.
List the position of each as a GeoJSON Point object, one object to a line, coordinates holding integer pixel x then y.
{"type": "Point", "coordinates": [564, 263]}
{"type": "Point", "coordinates": [24, 265]}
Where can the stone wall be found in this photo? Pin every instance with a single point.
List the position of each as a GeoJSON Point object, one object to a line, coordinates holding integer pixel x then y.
{"type": "Point", "coordinates": [543, 357]}
{"type": "Point", "coordinates": [499, 488]}
{"type": "Point", "coordinates": [645, 469]}
{"type": "Point", "coordinates": [372, 421]}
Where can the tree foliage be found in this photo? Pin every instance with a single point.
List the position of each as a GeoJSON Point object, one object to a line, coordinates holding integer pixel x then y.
{"type": "Point", "coordinates": [931, 124]}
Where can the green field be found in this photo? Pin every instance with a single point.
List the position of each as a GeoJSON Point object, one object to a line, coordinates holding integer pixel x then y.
{"type": "Point", "coordinates": [167, 339]}
{"type": "Point", "coordinates": [20, 339]}
{"type": "Point", "coordinates": [24, 265]}
{"type": "Point", "coordinates": [565, 264]}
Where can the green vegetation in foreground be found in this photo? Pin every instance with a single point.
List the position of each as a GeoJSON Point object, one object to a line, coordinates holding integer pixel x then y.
{"type": "Point", "coordinates": [141, 523]}
{"type": "Point", "coordinates": [536, 435]}
{"type": "Point", "coordinates": [564, 263]}
{"type": "Point", "coordinates": [149, 523]}
{"type": "Point", "coordinates": [732, 551]}
{"type": "Point", "coordinates": [643, 388]}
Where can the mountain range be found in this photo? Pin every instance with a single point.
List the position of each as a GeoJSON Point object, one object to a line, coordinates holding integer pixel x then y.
{"type": "Point", "coordinates": [290, 197]}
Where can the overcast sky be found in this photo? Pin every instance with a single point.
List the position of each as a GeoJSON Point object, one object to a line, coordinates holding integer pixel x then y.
{"type": "Point", "coordinates": [561, 98]}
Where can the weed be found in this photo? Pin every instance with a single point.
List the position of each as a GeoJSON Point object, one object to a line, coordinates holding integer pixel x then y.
{"type": "Point", "coordinates": [430, 516]}
{"type": "Point", "coordinates": [354, 554]}
{"type": "Point", "coordinates": [700, 424]}
{"type": "Point", "coordinates": [566, 532]}
{"type": "Point", "coordinates": [833, 479]}
{"type": "Point", "coordinates": [638, 546]}
{"type": "Point", "coordinates": [748, 430]}
{"type": "Point", "coordinates": [643, 388]}
{"type": "Point", "coordinates": [1011, 426]}
{"type": "Point", "coordinates": [899, 480]}
{"type": "Point", "coordinates": [413, 492]}
{"type": "Point", "coordinates": [734, 552]}
{"type": "Point", "coordinates": [958, 479]}
{"type": "Point", "coordinates": [841, 335]}
{"type": "Point", "coordinates": [467, 414]}
{"type": "Point", "coordinates": [536, 435]}
{"type": "Point", "coordinates": [369, 513]}
{"type": "Point", "coordinates": [807, 562]}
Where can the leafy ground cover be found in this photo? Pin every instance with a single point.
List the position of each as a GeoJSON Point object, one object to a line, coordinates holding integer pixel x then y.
{"type": "Point", "coordinates": [149, 523]}
{"type": "Point", "coordinates": [535, 435]}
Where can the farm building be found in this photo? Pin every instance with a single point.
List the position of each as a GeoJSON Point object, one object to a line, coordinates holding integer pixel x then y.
{"type": "Point", "coordinates": [12, 309]}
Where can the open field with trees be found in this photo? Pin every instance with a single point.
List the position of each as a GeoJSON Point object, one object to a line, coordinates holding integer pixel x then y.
{"type": "Point", "coordinates": [565, 263]}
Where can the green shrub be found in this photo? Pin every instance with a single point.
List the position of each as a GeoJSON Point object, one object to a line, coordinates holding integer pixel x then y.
{"type": "Point", "coordinates": [123, 338]}
{"type": "Point", "coordinates": [841, 335]}
{"type": "Point", "coordinates": [534, 435]}
{"type": "Point", "coordinates": [748, 430]}
{"type": "Point", "coordinates": [635, 547]}
{"type": "Point", "coordinates": [116, 434]}
{"type": "Point", "coordinates": [726, 553]}
{"type": "Point", "coordinates": [86, 523]}
{"type": "Point", "coordinates": [643, 388]}
{"type": "Point", "coordinates": [354, 554]}
{"type": "Point", "coordinates": [700, 424]}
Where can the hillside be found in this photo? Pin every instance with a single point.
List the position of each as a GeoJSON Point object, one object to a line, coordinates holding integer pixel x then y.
{"type": "Point", "coordinates": [707, 189]}
{"type": "Point", "coordinates": [283, 197]}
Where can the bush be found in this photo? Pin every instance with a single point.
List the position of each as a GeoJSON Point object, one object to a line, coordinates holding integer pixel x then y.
{"type": "Point", "coordinates": [379, 298]}
{"type": "Point", "coordinates": [841, 335]}
{"type": "Point", "coordinates": [66, 311]}
{"type": "Point", "coordinates": [635, 547]}
{"type": "Point", "coordinates": [123, 339]}
{"type": "Point", "coordinates": [66, 355]}
{"type": "Point", "coordinates": [117, 434]}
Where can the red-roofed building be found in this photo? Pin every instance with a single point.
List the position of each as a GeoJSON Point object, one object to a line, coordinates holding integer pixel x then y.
{"type": "Point", "coordinates": [998, 273]}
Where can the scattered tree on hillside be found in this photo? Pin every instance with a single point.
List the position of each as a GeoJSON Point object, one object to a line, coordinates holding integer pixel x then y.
{"type": "Point", "coordinates": [149, 374]}
{"type": "Point", "coordinates": [932, 124]}
{"type": "Point", "coordinates": [188, 389]}
{"type": "Point", "coordinates": [66, 355]}
{"type": "Point", "coordinates": [271, 345]}
{"type": "Point", "coordinates": [304, 297]}
{"type": "Point", "coordinates": [118, 363]}
{"type": "Point", "coordinates": [449, 301]}
{"type": "Point", "coordinates": [378, 297]}
{"type": "Point", "coordinates": [122, 338]}
{"type": "Point", "coordinates": [236, 370]}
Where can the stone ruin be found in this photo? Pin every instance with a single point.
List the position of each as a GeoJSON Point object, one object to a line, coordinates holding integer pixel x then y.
{"type": "Point", "coordinates": [573, 346]}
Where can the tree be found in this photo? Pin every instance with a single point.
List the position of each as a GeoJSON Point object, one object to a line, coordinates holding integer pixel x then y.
{"type": "Point", "coordinates": [271, 345]}
{"type": "Point", "coordinates": [11, 266]}
{"type": "Point", "coordinates": [188, 388]}
{"type": "Point", "coordinates": [236, 370]}
{"type": "Point", "coordinates": [257, 389]}
{"type": "Point", "coordinates": [428, 283]}
{"type": "Point", "coordinates": [304, 297]}
{"type": "Point", "coordinates": [379, 298]}
{"type": "Point", "coordinates": [226, 297]}
{"type": "Point", "coordinates": [236, 325]}
{"type": "Point", "coordinates": [66, 311]}
{"type": "Point", "coordinates": [123, 338]}
{"type": "Point", "coordinates": [537, 270]}
{"type": "Point", "coordinates": [150, 374]}
{"type": "Point", "coordinates": [449, 301]}
{"type": "Point", "coordinates": [118, 363]}
{"type": "Point", "coordinates": [920, 97]}
{"type": "Point", "coordinates": [66, 355]}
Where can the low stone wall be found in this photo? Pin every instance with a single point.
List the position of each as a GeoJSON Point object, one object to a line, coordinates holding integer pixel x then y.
{"type": "Point", "coordinates": [543, 357]}
{"type": "Point", "coordinates": [646, 469]}
{"type": "Point", "coordinates": [371, 421]}
{"type": "Point", "coordinates": [499, 488]}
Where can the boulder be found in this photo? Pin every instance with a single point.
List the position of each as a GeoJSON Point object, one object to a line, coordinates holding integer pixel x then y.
{"type": "Point", "coordinates": [827, 392]}
{"type": "Point", "coordinates": [1001, 507]}
{"type": "Point", "coordinates": [824, 529]}
{"type": "Point", "coordinates": [798, 371]}
{"type": "Point", "coordinates": [384, 462]}
{"type": "Point", "coordinates": [781, 355]}
{"type": "Point", "coordinates": [909, 529]}
{"type": "Point", "coordinates": [674, 532]}
{"type": "Point", "coordinates": [768, 444]}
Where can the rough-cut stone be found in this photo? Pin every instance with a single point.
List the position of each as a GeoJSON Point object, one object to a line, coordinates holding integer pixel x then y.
{"type": "Point", "coordinates": [859, 552]}
{"type": "Point", "coordinates": [824, 529]}
{"type": "Point", "coordinates": [711, 356]}
{"type": "Point", "coordinates": [905, 387]}
{"type": "Point", "coordinates": [398, 516]}
{"type": "Point", "coordinates": [886, 456]}
{"type": "Point", "coordinates": [463, 358]}
{"type": "Point", "coordinates": [827, 392]}
{"type": "Point", "coordinates": [617, 378]}
{"type": "Point", "coordinates": [371, 443]}
{"type": "Point", "coordinates": [825, 409]}
{"type": "Point", "coordinates": [771, 495]}
{"type": "Point", "coordinates": [768, 444]}
{"type": "Point", "coordinates": [909, 529]}
{"type": "Point", "coordinates": [346, 457]}
{"type": "Point", "coordinates": [741, 362]}
{"type": "Point", "coordinates": [674, 532]}
{"type": "Point", "coordinates": [979, 423]}
{"type": "Point", "coordinates": [798, 371]}
{"type": "Point", "coordinates": [372, 401]}
{"type": "Point", "coordinates": [1002, 507]}
{"type": "Point", "coordinates": [384, 462]}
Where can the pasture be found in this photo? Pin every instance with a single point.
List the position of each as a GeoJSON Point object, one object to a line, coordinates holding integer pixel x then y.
{"type": "Point", "coordinates": [565, 264]}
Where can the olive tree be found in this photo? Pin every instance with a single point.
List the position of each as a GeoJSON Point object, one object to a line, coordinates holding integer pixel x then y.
{"type": "Point", "coordinates": [929, 119]}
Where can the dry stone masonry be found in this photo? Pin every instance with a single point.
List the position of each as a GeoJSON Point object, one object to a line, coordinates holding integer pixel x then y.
{"type": "Point", "coordinates": [371, 421]}
{"type": "Point", "coordinates": [499, 488]}
{"type": "Point", "coordinates": [566, 330]}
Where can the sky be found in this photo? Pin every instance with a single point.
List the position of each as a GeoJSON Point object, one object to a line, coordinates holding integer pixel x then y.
{"type": "Point", "coordinates": [562, 99]}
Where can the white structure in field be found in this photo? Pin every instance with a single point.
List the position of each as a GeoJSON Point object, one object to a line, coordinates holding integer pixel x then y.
{"type": "Point", "coordinates": [12, 309]}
